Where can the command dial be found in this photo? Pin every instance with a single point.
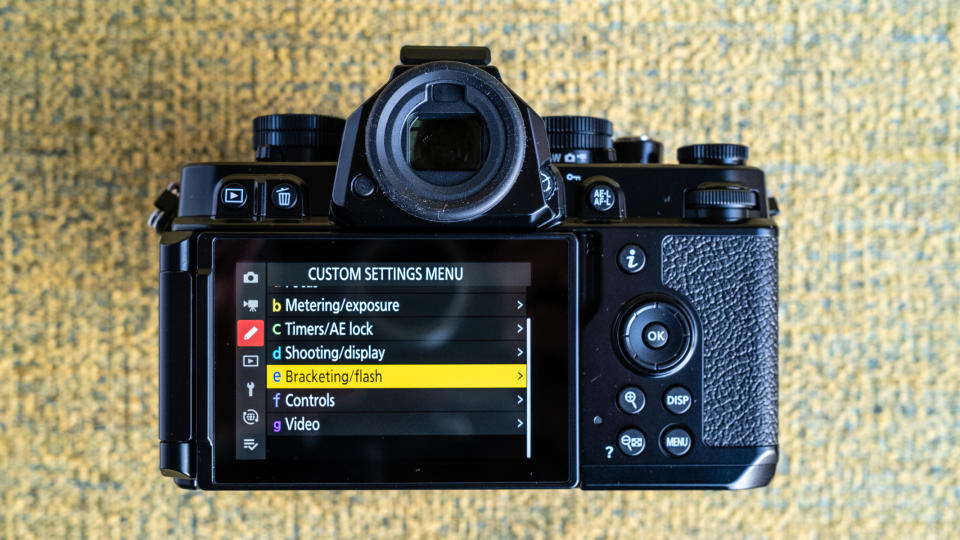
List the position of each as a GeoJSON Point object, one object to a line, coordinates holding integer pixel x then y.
{"type": "Point", "coordinates": [721, 201]}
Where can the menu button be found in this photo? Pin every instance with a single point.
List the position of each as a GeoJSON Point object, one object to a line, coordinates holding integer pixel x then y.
{"type": "Point", "coordinates": [677, 441]}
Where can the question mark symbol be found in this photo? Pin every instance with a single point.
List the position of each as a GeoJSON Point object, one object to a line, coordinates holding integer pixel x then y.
{"type": "Point", "coordinates": [609, 450]}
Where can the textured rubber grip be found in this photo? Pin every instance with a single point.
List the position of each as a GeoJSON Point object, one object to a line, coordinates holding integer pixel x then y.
{"type": "Point", "coordinates": [732, 282]}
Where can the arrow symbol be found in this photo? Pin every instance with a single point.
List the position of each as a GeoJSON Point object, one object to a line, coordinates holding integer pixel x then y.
{"type": "Point", "coordinates": [519, 351]}
{"type": "Point", "coordinates": [519, 423]}
{"type": "Point", "coordinates": [519, 399]}
{"type": "Point", "coordinates": [519, 375]}
{"type": "Point", "coordinates": [519, 328]}
{"type": "Point", "coordinates": [519, 304]}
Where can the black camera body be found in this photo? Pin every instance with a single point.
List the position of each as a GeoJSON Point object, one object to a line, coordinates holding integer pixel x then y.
{"type": "Point", "coordinates": [448, 291]}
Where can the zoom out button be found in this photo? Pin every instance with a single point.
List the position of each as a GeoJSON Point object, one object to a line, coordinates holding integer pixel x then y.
{"type": "Point", "coordinates": [631, 441]}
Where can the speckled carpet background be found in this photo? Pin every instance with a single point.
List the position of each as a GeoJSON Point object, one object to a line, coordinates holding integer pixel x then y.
{"type": "Point", "coordinates": [852, 108]}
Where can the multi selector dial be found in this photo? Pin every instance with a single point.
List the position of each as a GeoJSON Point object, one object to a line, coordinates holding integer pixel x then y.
{"type": "Point", "coordinates": [656, 336]}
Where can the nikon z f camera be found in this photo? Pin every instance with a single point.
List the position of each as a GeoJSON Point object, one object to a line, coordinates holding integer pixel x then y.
{"type": "Point", "coordinates": [446, 290]}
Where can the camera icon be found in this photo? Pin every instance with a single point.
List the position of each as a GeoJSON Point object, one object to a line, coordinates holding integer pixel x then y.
{"type": "Point", "coordinates": [251, 277]}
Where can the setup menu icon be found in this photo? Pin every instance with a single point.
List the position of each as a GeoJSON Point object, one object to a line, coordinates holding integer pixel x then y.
{"type": "Point", "coordinates": [249, 333]}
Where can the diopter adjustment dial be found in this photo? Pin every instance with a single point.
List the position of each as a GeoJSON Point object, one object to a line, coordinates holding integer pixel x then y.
{"type": "Point", "coordinates": [713, 154]}
{"type": "Point", "coordinates": [640, 149]}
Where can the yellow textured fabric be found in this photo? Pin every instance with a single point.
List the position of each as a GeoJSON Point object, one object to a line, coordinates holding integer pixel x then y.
{"type": "Point", "coordinates": [852, 108]}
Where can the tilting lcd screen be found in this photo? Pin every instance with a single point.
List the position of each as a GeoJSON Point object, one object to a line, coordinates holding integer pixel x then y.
{"type": "Point", "coordinates": [399, 362]}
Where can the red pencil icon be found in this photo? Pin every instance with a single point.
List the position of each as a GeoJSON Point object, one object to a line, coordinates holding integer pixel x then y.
{"type": "Point", "coordinates": [249, 333]}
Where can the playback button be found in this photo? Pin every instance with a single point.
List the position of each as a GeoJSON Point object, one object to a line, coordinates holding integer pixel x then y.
{"type": "Point", "coordinates": [234, 196]}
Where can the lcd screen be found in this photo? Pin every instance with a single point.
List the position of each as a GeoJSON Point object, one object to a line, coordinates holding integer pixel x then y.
{"type": "Point", "coordinates": [394, 359]}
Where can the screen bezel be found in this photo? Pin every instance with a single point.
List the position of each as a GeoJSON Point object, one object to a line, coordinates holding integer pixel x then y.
{"type": "Point", "coordinates": [554, 264]}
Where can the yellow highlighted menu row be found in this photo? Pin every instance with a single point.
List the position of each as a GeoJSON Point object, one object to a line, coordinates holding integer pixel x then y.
{"type": "Point", "coordinates": [398, 376]}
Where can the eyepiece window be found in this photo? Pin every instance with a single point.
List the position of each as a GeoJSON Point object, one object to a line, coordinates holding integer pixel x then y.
{"type": "Point", "coordinates": [445, 141]}
{"type": "Point", "coordinates": [456, 143]}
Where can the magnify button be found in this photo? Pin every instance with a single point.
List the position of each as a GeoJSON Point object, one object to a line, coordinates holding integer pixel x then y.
{"type": "Point", "coordinates": [631, 399]}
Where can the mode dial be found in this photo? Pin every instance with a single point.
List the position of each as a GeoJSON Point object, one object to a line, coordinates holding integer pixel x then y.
{"type": "Point", "coordinates": [713, 154]}
{"type": "Point", "coordinates": [297, 137]}
{"type": "Point", "coordinates": [580, 139]}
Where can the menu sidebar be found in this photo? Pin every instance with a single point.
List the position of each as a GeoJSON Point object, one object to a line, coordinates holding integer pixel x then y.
{"type": "Point", "coordinates": [251, 361]}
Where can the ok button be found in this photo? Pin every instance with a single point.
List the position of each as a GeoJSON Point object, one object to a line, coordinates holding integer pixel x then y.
{"type": "Point", "coordinates": [655, 335]}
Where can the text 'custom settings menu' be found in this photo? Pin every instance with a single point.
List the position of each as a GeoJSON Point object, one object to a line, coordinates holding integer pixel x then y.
{"type": "Point", "coordinates": [385, 349]}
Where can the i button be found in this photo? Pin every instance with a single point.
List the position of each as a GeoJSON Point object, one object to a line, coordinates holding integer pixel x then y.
{"type": "Point", "coordinates": [631, 258]}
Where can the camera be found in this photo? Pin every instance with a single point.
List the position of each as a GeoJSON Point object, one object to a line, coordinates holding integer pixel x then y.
{"type": "Point", "coordinates": [447, 290]}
